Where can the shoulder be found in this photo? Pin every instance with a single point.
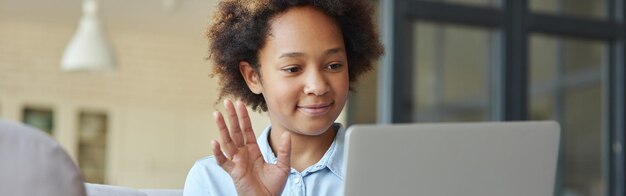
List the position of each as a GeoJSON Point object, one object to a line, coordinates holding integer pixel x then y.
{"type": "Point", "coordinates": [206, 177]}
{"type": "Point", "coordinates": [207, 164]}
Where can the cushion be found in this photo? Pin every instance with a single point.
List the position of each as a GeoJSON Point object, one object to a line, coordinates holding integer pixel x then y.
{"type": "Point", "coordinates": [109, 190]}
{"type": "Point", "coordinates": [32, 163]}
{"type": "Point", "coordinates": [163, 192]}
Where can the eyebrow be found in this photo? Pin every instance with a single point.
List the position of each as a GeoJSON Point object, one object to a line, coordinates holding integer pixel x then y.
{"type": "Point", "coordinates": [300, 54]}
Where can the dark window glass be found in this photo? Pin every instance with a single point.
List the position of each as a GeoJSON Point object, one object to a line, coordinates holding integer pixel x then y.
{"type": "Point", "coordinates": [566, 85]}
{"type": "Point", "coordinates": [92, 145]}
{"type": "Point", "coordinates": [578, 8]}
{"type": "Point", "coordinates": [451, 79]}
{"type": "Point", "coordinates": [39, 118]}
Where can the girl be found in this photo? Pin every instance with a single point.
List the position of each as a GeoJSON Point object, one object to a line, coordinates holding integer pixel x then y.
{"type": "Point", "coordinates": [295, 59]}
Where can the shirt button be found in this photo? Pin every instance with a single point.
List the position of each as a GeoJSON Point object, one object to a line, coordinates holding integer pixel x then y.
{"type": "Point", "coordinates": [297, 180]}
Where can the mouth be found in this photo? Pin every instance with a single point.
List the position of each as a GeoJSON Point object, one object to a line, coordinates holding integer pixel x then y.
{"type": "Point", "coordinates": [315, 109]}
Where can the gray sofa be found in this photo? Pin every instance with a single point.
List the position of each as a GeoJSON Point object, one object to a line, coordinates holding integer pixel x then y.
{"type": "Point", "coordinates": [33, 164]}
{"type": "Point", "coordinates": [108, 190]}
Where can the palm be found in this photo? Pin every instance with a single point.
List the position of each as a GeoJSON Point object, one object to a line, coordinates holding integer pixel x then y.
{"type": "Point", "coordinates": [250, 173]}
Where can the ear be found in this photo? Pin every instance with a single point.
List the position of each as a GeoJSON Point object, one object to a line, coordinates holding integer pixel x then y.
{"type": "Point", "coordinates": [251, 77]}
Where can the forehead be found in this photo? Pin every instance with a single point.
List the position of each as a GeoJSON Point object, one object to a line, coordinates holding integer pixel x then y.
{"type": "Point", "coordinates": [302, 28]}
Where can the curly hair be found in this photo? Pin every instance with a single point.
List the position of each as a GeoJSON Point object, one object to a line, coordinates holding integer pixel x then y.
{"type": "Point", "coordinates": [240, 27]}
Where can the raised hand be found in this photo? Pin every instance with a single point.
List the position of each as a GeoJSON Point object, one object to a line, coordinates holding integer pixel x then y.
{"type": "Point", "coordinates": [240, 156]}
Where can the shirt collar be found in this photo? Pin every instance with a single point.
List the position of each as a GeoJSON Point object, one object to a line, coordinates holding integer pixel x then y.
{"type": "Point", "coordinates": [332, 159]}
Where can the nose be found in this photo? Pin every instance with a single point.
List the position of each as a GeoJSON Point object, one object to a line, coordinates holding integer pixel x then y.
{"type": "Point", "coordinates": [316, 84]}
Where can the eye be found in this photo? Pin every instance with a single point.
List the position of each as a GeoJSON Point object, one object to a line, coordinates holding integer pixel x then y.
{"type": "Point", "coordinates": [292, 69]}
{"type": "Point", "coordinates": [334, 66]}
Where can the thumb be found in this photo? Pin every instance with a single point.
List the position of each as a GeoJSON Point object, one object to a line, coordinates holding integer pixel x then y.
{"type": "Point", "coordinates": [284, 150]}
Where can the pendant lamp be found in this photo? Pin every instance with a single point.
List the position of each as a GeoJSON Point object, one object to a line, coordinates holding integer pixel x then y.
{"type": "Point", "coordinates": [89, 49]}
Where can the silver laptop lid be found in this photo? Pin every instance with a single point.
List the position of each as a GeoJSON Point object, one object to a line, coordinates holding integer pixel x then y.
{"type": "Point", "coordinates": [471, 159]}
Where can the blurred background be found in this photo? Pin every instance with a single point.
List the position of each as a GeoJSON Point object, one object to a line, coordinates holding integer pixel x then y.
{"type": "Point", "coordinates": [144, 121]}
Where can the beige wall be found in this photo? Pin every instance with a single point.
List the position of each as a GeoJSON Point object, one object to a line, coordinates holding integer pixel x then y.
{"type": "Point", "coordinates": [159, 99]}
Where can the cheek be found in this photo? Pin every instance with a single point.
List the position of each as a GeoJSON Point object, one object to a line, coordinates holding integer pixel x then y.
{"type": "Point", "coordinates": [279, 93]}
{"type": "Point", "coordinates": [342, 85]}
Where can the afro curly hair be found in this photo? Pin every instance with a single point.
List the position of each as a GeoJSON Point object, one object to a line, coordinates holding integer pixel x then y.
{"type": "Point", "coordinates": [240, 28]}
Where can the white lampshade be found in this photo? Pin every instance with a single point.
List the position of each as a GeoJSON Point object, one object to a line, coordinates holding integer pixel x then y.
{"type": "Point", "coordinates": [89, 49]}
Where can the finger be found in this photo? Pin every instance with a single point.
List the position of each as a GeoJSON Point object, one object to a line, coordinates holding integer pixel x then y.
{"type": "Point", "coordinates": [233, 121]}
{"type": "Point", "coordinates": [246, 125]}
{"type": "Point", "coordinates": [217, 152]}
{"type": "Point", "coordinates": [227, 144]}
{"type": "Point", "coordinates": [219, 155]}
{"type": "Point", "coordinates": [284, 150]}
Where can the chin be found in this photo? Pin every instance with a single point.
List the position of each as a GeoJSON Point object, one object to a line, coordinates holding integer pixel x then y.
{"type": "Point", "coordinates": [314, 129]}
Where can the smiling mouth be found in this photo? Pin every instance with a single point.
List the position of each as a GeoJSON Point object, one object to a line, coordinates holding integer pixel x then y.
{"type": "Point", "coordinates": [315, 109]}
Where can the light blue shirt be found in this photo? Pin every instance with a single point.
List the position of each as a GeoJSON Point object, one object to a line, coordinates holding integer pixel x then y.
{"type": "Point", "coordinates": [206, 177]}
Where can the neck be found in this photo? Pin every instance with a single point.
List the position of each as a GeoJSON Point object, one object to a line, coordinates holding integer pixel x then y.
{"type": "Point", "coordinates": [306, 150]}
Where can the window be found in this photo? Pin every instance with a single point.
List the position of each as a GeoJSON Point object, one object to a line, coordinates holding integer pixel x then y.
{"type": "Point", "coordinates": [451, 83]}
{"type": "Point", "coordinates": [560, 60]}
{"type": "Point", "coordinates": [566, 85]}
{"type": "Point", "coordinates": [92, 131]}
{"type": "Point", "coordinates": [484, 3]}
{"type": "Point", "coordinates": [583, 9]}
{"type": "Point", "coordinates": [40, 118]}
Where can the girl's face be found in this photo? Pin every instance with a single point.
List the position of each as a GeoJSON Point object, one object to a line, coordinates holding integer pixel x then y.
{"type": "Point", "coordinates": [304, 71]}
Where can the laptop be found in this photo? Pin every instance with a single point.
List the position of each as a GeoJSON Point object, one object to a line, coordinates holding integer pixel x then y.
{"type": "Point", "coordinates": [470, 159]}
